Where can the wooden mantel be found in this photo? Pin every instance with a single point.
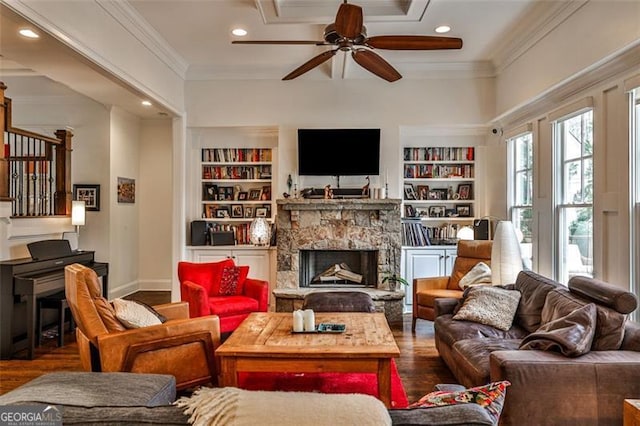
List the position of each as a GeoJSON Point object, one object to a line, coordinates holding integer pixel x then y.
{"type": "Point", "coordinates": [338, 204]}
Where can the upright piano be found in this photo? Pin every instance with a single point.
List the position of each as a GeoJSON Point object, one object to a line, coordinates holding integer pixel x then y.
{"type": "Point", "coordinates": [22, 281]}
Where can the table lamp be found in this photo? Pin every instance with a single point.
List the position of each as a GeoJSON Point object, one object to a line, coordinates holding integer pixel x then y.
{"type": "Point", "coordinates": [260, 232]}
{"type": "Point", "coordinates": [506, 260]}
{"type": "Point", "coordinates": [78, 215]}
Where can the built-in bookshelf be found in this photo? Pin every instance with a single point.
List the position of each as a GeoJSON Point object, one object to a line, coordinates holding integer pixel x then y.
{"type": "Point", "coordinates": [438, 190]}
{"type": "Point", "coordinates": [236, 188]}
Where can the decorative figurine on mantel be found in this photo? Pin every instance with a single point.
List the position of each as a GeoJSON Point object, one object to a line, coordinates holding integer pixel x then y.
{"type": "Point", "coordinates": [365, 189]}
{"type": "Point", "coordinates": [328, 192]}
{"type": "Point", "coordinates": [289, 183]}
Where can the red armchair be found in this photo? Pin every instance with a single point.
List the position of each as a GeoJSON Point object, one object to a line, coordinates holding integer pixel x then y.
{"type": "Point", "coordinates": [222, 289]}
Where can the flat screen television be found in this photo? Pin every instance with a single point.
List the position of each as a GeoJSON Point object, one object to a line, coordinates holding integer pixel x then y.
{"type": "Point", "coordinates": [338, 152]}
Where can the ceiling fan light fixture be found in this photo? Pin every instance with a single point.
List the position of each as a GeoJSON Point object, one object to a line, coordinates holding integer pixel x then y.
{"type": "Point", "coordinates": [240, 32]}
{"type": "Point", "coordinates": [441, 29]}
{"type": "Point", "coordinates": [29, 33]}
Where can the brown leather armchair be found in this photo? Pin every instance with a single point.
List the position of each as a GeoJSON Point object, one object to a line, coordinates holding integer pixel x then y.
{"type": "Point", "coordinates": [181, 346]}
{"type": "Point", "coordinates": [426, 290]}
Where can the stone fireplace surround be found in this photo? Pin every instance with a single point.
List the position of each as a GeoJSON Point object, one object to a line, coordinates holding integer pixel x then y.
{"type": "Point", "coordinates": [338, 224]}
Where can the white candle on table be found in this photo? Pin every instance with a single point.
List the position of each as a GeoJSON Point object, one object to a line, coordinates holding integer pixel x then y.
{"type": "Point", "coordinates": [309, 320]}
{"type": "Point", "coordinates": [298, 321]}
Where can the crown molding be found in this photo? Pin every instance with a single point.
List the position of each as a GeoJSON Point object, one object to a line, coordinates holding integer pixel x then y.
{"type": "Point", "coordinates": [613, 66]}
{"type": "Point", "coordinates": [127, 16]}
{"type": "Point", "coordinates": [453, 130]}
{"type": "Point", "coordinates": [542, 18]}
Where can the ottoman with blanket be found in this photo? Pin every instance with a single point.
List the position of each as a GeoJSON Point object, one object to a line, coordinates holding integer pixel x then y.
{"type": "Point", "coordinates": [147, 399]}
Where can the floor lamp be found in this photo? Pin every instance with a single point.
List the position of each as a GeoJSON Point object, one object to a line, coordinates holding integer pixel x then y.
{"type": "Point", "coordinates": [506, 260]}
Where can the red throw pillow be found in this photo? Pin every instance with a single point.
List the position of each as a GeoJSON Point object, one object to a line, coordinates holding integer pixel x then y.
{"type": "Point", "coordinates": [229, 281]}
{"type": "Point", "coordinates": [232, 280]}
{"type": "Point", "coordinates": [207, 275]}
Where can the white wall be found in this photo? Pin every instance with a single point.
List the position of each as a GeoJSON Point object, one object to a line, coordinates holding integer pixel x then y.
{"type": "Point", "coordinates": [124, 218]}
{"type": "Point", "coordinates": [595, 31]}
{"type": "Point", "coordinates": [154, 197]}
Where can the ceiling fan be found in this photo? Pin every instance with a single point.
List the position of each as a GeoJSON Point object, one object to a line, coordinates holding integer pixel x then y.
{"type": "Point", "coordinates": [348, 33]}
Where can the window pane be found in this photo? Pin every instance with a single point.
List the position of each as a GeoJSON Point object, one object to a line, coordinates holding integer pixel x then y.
{"type": "Point", "coordinates": [587, 180]}
{"type": "Point", "coordinates": [572, 183]}
{"type": "Point", "coordinates": [587, 127]}
{"type": "Point", "coordinates": [522, 220]}
{"type": "Point", "coordinates": [522, 183]}
{"type": "Point", "coordinates": [576, 242]}
{"type": "Point", "coordinates": [572, 136]}
{"type": "Point", "coordinates": [524, 154]}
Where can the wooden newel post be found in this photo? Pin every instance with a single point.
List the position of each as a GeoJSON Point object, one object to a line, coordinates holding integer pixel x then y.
{"type": "Point", "coordinates": [4, 153]}
{"type": "Point", "coordinates": [63, 196]}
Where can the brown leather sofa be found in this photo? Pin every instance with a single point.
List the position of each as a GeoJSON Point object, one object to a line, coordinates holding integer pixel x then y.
{"type": "Point", "coordinates": [181, 347]}
{"type": "Point", "coordinates": [548, 387]}
{"type": "Point", "coordinates": [427, 290]}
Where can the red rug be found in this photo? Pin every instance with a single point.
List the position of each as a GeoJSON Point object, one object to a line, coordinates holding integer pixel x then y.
{"type": "Point", "coordinates": [366, 383]}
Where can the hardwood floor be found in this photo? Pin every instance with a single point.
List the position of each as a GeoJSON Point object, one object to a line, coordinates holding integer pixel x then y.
{"type": "Point", "coordinates": [419, 365]}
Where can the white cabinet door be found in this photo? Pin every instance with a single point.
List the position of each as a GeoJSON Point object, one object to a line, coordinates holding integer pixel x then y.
{"type": "Point", "coordinates": [257, 260]}
{"type": "Point", "coordinates": [209, 255]}
{"type": "Point", "coordinates": [420, 263]}
{"type": "Point", "coordinates": [449, 260]}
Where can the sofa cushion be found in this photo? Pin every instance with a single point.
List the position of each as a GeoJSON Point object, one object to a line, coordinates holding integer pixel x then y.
{"type": "Point", "coordinates": [609, 331]}
{"type": "Point", "coordinates": [479, 274]}
{"type": "Point", "coordinates": [229, 280]}
{"type": "Point", "coordinates": [96, 389]}
{"type": "Point", "coordinates": [472, 357]}
{"type": "Point", "coordinates": [533, 288]}
{"type": "Point", "coordinates": [232, 305]}
{"type": "Point", "coordinates": [489, 305]}
{"type": "Point", "coordinates": [450, 331]}
{"type": "Point", "coordinates": [489, 396]}
{"type": "Point", "coordinates": [571, 335]}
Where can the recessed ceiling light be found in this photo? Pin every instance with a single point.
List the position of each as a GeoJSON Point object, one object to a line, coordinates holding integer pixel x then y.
{"type": "Point", "coordinates": [146, 103]}
{"type": "Point", "coordinates": [443, 29]}
{"type": "Point", "coordinates": [240, 32]}
{"type": "Point", "coordinates": [29, 33]}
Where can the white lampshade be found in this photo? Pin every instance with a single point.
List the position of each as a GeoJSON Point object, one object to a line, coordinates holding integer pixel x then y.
{"type": "Point", "coordinates": [465, 233]}
{"type": "Point", "coordinates": [506, 260]}
{"type": "Point", "coordinates": [77, 213]}
{"type": "Point", "coordinates": [260, 232]}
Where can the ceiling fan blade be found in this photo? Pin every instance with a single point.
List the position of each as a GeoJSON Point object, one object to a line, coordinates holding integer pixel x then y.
{"type": "Point", "coordinates": [375, 64]}
{"type": "Point", "coordinates": [313, 42]}
{"type": "Point", "coordinates": [349, 20]}
{"type": "Point", "coordinates": [310, 64]}
{"type": "Point", "coordinates": [413, 42]}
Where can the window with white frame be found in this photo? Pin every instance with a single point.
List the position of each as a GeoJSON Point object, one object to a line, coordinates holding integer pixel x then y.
{"type": "Point", "coordinates": [521, 197]}
{"type": "Point", "coordinates": [573, 140]}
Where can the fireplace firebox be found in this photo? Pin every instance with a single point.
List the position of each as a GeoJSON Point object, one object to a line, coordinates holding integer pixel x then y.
{"type": "Point", "coordinates": [338, 268]}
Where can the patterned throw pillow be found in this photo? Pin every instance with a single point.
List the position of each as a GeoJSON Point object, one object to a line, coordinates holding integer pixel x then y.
{"type": "Point", "coordinates": [490, 397]}
{"type": "Point", "coordinates": [489, 305]}
{"type": "Point", "coordinates": [135, 315]}
{"type": "Point", "coordinates": [479, 274]}
{"type": "Point", "coordinates": [229, 281]}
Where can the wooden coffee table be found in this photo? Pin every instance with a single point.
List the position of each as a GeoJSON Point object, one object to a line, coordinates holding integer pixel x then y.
{"type": "Point", "coordinates": [264, 343]}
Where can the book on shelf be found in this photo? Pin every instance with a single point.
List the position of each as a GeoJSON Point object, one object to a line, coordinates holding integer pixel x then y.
{"type": "Point", "coordinates": [236, 155]}
{"type": "Point", "coordinates": [414, 234]}
{"type": "Point", "coordinates": [439, 154]}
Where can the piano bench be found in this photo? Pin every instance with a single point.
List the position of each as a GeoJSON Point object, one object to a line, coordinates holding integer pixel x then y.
{"type": "Point", "coordinates": [56, 301]}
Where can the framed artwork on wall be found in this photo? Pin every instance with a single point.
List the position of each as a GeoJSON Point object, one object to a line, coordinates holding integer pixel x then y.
{"type": "Point", "coordinates": [90, 194]}
{"type": "Point", "coordinates": [126, 190]}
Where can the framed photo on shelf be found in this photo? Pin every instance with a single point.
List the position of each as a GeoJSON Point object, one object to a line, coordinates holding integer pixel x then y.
{"type": "Point", "coordinates": [265, 194]}
{"type": "Point", "coordinates": [423, 192]}
{"type": "Point", "coordinates": [90, 194]}
{"type": "Point", "coordinates": [437, 211]}
{"type": "Point", "coordinates": [464, 191]}
{"type": "Point", "coordinates": [222, 212]}
{"type": "Point", "coordinates": [209, 192]}
{"type": "Point", "coordinates": [409, 211]}
{"type": "Point", "coordinates": [422, 212]}
{"type": "Point", "coordinates": [236, 210]}
{"type": "Point", "coordinates": [463, 210]}
{"type": "Point", "coordinates": [210, 211]}
{"type": "Point", "coordinates": [248, 211]}
{"type": "Point", "coordinates": [409, 192]}
{"type": "Point", "coordinates": [451, 213]}
{"type": "Point", "coordinates": [254, 194]}
{"type": "Point", "coordinates": [243, 195]}
{"type": "Point", "coordinates": [261, 212]}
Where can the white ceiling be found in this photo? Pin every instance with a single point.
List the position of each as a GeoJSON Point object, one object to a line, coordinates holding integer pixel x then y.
{"type": "Point", "coordinates": [196, 35]}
